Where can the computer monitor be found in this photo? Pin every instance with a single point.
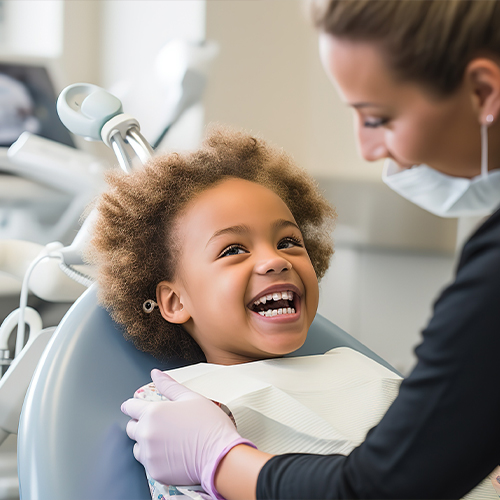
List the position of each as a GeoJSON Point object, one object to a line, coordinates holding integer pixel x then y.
{"type": "Point", "coordinates": [28, 101]}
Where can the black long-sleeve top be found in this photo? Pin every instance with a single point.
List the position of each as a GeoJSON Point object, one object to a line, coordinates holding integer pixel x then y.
{"type": "Point", "coordinates": [441, 436]}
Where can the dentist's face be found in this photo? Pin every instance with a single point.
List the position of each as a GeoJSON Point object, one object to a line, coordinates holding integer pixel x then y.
{"type": "Point", "coordinates": [244, 275]}
{"type": "Point", "coordinates": [402, 120]}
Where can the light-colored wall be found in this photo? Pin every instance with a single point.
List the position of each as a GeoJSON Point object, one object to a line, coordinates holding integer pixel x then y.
{"type": "Point", "coordinates": [133, 33]}
{"type": "Point", "coordinates": [268, 79]}
{"type": "Point", "coordinates": [31, 26]}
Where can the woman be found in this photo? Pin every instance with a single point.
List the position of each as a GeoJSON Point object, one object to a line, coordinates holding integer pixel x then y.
{"type": "Point", "coordinates": [423, 79]}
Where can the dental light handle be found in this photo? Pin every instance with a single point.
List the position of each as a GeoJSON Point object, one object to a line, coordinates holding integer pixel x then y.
{"type": "Point", "coordinates": [92, 112]}
{"type": "Point", "coordinates": [84, 108]}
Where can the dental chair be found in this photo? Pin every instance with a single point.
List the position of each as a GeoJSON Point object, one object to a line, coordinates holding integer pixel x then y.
{"type": "Point", "coordinates": [72, 442]}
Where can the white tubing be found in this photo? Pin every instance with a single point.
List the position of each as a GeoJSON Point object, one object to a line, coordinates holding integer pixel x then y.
{"type": "Point", "coordinates": [23, 303]}
{"type": "Point", "coordinates": [31, 317]}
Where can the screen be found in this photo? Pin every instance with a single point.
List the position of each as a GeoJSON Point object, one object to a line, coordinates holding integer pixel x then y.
{"type": "Point", "coordinates": [28, 103]}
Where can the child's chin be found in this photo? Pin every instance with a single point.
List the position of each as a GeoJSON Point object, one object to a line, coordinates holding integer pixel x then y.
{"type": "Point", "coordinates": [276, 351]}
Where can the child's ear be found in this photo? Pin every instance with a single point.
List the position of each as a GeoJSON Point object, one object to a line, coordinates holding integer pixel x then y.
{"type": "Point", "coordinates": [169, 303]}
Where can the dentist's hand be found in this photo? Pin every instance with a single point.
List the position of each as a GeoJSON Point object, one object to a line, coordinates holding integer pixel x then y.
{"type": "Point", "coordinates": [180, 441]}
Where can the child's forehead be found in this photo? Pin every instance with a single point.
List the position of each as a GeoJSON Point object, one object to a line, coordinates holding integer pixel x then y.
{"type": "Point", "coordinates": [234, 202]}
{"type": "Point", "coordinates": [237, 191]}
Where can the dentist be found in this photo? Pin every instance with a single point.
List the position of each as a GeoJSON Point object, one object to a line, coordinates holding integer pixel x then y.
{"type": "Point", "coordinates": [423, 80]}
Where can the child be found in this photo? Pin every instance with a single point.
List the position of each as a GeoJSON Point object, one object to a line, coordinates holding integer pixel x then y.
{"type": "Point", "coordinates": [193, 250]}
{"type": "Point", "coordinates": [215, 254]}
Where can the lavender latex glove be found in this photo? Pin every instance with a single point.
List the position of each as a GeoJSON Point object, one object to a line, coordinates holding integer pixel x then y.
{"type": "Point", "coordinates": [183, 440]}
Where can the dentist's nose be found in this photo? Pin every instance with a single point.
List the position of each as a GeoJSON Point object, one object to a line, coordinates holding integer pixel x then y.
{"type": "Point", "coordinates": [371, 142]}
{"type": "Point", "coordinates": [273, 265]}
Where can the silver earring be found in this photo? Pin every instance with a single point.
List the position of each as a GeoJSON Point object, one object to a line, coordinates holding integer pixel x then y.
{"type": "Point", "coordinates": [149, 306]}
{"type": "Point", "coordinates": [484, 150]}
{"type": "Point", "coordinates": [490, 118]}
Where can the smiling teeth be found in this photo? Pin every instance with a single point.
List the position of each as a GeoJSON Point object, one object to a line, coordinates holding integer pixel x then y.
{"type": "Point", "coordinates": [274, 296]}
{"type": "Point", "coordinates": [275, 312]}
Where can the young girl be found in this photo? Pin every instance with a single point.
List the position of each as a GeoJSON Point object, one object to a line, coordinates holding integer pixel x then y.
{"type": "Point", "coordinates": [215, 254]}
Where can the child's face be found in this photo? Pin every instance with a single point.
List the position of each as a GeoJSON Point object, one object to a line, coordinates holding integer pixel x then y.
{"type": "Point", "coordinates": [238, 243]}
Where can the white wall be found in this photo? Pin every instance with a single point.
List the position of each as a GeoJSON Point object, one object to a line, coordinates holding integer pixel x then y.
{"type": "Point", "coordinates": [268, 79]}
{"type": "Point", "coordinates": [384, 297]}
{"type": "Point", "coordinates": [34, 27]}
{"type": "Point", "coordinates": [132, 34]}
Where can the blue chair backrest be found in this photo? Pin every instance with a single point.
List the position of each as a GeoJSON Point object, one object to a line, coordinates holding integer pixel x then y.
{"type": "Point", "coordinates": [72, 442]}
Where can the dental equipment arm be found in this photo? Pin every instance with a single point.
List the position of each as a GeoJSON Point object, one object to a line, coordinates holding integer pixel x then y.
{"type": "Point", "coordinates": [62, 168]}
{"type": "Point", "coordinates": [92, 112]}
{"type": "Point", "coordinates": [47, 281]}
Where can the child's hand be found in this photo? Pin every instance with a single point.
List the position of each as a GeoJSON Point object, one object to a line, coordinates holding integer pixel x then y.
{"type": "Point", "coordinates": [180, 441]}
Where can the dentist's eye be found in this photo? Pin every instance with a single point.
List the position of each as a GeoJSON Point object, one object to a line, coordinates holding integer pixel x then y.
{"type": "Point", "coordinates": [232, 250]}
{"type": "Point", "coordinates": [289, 242]}
{"type": "Point", "coordinates": [374, 123]}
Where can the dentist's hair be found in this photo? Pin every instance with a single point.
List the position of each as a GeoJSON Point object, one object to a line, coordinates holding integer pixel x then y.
{"type": "Point", "coordinates": [135, 245]}
{"type": "Point", "coordinates": [426, 41]}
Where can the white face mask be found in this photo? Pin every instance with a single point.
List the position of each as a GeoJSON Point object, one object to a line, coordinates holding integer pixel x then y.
{"type": "Point", "coordinates": [444, 195]}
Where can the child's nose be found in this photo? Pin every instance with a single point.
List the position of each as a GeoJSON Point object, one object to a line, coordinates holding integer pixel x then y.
{"type": "Point", "coordinates": [273, 265]}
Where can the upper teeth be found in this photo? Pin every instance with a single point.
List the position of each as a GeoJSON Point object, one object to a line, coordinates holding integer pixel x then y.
{"type": "Point", "coordinates": [274, 296]}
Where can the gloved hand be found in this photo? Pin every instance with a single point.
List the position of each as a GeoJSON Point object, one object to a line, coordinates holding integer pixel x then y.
{"type": "Point", "coordinates": [181, 441]}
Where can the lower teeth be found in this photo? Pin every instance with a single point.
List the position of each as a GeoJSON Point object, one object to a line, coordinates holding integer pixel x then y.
{"type": "Point", "coordinates": [276, 312]}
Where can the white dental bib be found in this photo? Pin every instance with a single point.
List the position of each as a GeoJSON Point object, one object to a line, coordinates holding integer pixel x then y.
{"type": "Point", "coordinates": [312, 404]}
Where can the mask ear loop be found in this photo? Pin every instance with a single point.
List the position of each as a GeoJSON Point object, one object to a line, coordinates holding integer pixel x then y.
{"type": "Point", "coordinates": [484, 146]}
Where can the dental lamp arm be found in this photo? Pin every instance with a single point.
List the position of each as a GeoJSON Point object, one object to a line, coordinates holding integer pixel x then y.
{"type": "Point", "coordinates": [47, 281]}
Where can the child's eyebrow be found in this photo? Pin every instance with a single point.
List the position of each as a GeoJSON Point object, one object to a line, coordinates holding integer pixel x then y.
{"type": "Point", "coordinates": [281, 223]}
{"type": "Point", "coordinates": [240, 229]}
{"type": "Point", "coordinates": [229, 230]}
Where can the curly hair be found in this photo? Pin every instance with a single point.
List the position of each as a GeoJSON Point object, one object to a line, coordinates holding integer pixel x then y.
{"type": "Point", "coordinates": [134, 247]}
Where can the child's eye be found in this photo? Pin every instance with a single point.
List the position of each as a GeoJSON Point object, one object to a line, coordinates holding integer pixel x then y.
{"type": "Point", "coordinates": [289, 242]}
{"type": "Point", "coordinates": [232, 250]}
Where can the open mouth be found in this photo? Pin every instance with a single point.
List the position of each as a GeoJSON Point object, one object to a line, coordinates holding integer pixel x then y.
{"type": "Point", "coordinates": [275, 304]}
